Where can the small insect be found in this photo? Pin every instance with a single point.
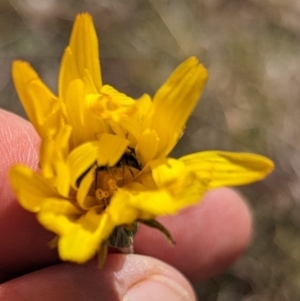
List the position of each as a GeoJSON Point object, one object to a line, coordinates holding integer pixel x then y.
{"type": "Point", "coordinates": [128, 159]}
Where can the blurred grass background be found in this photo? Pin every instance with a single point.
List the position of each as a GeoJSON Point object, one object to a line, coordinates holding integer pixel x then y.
{"type": "Point", "coordinates": [251, 103]}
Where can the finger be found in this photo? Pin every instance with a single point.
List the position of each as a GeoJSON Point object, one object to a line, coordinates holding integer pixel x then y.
{"type": "Point", "coordinates": [19, 144]}
{"type": "Point", "coordinates": [209, 236]}
{"type": "Point", "coordinates": [23, 241]}
{"type": "Point", "coordinates": [131, 277]}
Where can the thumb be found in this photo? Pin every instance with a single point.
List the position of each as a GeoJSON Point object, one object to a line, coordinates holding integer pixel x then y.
{"type": "Point", "coordinates": [124, 277]}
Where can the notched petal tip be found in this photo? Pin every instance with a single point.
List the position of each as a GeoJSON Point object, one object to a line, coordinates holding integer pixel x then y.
{"type": "Point", "coordinates": [192, 65]}
{"type": "Point", "coordinates": [22, 72]}
{"type": "Point", "coordinates": [252, 162]}
{"type": "Point", "coordinates": [18, 63]}
{"type": "Point", "coordinates": [174, 102]}
{"type": "Point", "coordinates": [222, 168]}
{"type": "Point", "coordinates": [83, 15]}
{"type": "Point", "coordinates": [267, 165]}
{"type": "Point", "coordinates": [84, 46]}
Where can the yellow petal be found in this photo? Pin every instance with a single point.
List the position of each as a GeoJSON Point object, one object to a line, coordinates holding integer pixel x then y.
{"type": "Point", "coordinates": [30, 188]}
{"type": "Point", "coordinates": [85, 126]}
{"type": "Point", "coordinates": [110, 104]}
{"type": "Point", "coordinates": [58, 215]}
{"type": "Point", "coordinates": [74, 101]}
{"type": "Point", "coordinates": [183, 186]}
{"type": "Point", "coordinates": [117, 129]}
{"type": "Point", "coordinates": [38, 101]}
{"type": "Point", "coordinates": [166, 171]}
{"type": "Point", "coordinates": [228, 169]}
{"type": "Point", "coordinates": [106, 152]}
{"type": "Point", "coordinates": [132, 124]}
{"type": "Point", "coordinates": [62, 181]}
{"type": "Point", "coordinates": [46, 153]}
{"type": "Point", "coordinates": [53, 157]}
{"type": "Point", "coordinates": [93, 127]}
{"type": "Point", "coordinates": [123, 208]}
{"type": "Point", "coordinates": [62, 140]}
{"type": "Point", "coordinates": [53, 122]}
{"type": "Point", "coordinates": [174, 102]}
{"type": "Point", "coordinates": [79, 235]}
{"type": "Point", "coordinates": [111, 149]}
{"type": "Point", "coordinates": [81, 159]}
{"type": "Point", "coordinates": [153, 203]}
{"type": "Point", "coordinates": [85, 185]}
{"type": "Point", "coordinates": [176, 188]}
{"type": "Point", "coordinates": [82, 244]}
{"type": "Point", "coordinates": [82, 237]}
{"type": "Point", "coordinates": [135, 201]}
{"type": "Point", "coordinates": [142, 106]}
{"type": "Point", "coordinates": [187, 190]}
{"type": "Point", "coordinates": [127, 128]}
{"type": "Point", "coordinates": [147, 146]}
{"type": "Point", "coordinates": [67, 73]}
{"type": "Point", "coordinates": [117, 98]}
{"type": "Point", "coordinates": [84, 47]}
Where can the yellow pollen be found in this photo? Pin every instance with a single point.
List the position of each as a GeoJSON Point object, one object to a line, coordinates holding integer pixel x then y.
{"type": "Point", "coordinates": [107, 190]}
{"type": "Point", "coordinates": [101, 194]}
{"type": "Point", "coordinates": [109, 180]}
{"type": "Point", "coordinates": [112, 185]}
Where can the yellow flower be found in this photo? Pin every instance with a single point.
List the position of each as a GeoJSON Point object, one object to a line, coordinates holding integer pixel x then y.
{"type": "Point", "coordinates": [104, 162]}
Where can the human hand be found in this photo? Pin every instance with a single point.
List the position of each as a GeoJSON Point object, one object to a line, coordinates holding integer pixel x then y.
{"type": "Point", "coordinates": [208, 238]}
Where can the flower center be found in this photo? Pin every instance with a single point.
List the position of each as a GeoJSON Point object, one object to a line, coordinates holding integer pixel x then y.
{"type": "Point", "coordinates": [109, 179]}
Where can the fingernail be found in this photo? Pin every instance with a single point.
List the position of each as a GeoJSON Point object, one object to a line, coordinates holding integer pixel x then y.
{"type": "Point", "coordinates": [158, 288]}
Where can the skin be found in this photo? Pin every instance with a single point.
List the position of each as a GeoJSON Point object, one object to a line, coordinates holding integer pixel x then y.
{"type": "Point", "coordinates": [209, 237]}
